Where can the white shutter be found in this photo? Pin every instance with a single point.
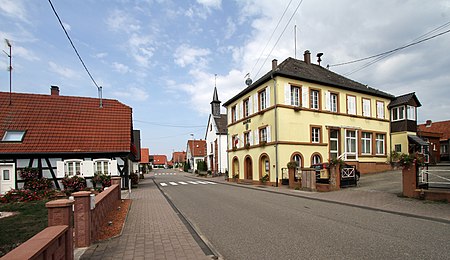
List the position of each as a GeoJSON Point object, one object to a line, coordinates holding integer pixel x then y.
{"type": "Point", "coordinates": [287, 94]}
{"type": "Point", "coordinates": [351, 105]}
{"type": "Point", "coordinates": [229, 115]}
{"type": "Point", "coordinates": [60, 169]}
{"type": "Point", "coordinates": [380, 110]}
{"type": "Point", "coordinates": [366, 107]}
{"type": "Point", "coordinates": [250, 106]}
{"type": "Point", "coordinates": [327, 100]}
{"type": "Point", "coordinates": [256, 136]}
{"type": "Point", "coordinates": [112, 168]}
{"type": "Point", "coordinates": [250, 136]}
{"type": "Point", "coordinates": [268, 97]}
{"type": "Point", "coordinates": [241, 110]}
{"type": "Point", "coordinates": [255, 104]}
{"type": "Point", "coordinates": [87, 168]}
{"type": "Point", "coordinates": [269, 138]}
{"type": "Point", "coordinates": [305, 97]}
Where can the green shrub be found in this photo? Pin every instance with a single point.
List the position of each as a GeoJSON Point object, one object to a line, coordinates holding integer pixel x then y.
{"type": "Point", "coordinates": [19, 196]}
{"type": "Point", "coordinates": [74, 183]}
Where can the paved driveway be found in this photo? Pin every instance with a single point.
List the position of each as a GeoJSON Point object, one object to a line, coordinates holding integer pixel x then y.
{"type": "Point", "coordinates": [390, 182]}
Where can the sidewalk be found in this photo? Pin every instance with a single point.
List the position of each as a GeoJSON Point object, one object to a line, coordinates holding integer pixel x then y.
{"type": "Point", "coordinates": [153, 230]}
{"type": "Point", "coordinates": [363, 198]}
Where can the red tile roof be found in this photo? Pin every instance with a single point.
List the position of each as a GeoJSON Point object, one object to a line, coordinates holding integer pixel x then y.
{"type": "Point", "coordinates": [199, 150]}
{"type": "Point", "coordinates": [179, 157]}
{"type": "Point", "coordinates": [437, 127]}
{"type": "Point", "coordinates": [145, 158]}
{"type": "Point", "coordinates": [159, 159]}
{"type": "Point", "coordinates": [65, 124]}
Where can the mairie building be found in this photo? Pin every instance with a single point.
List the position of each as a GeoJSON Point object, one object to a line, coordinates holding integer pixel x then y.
{"type": "Point", "coordinates": [302, 112]}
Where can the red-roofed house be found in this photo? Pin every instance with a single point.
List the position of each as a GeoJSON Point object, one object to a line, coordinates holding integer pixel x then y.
{"type": "Point", "coordinates": [159, 161]}
{"type": "Point", "coordinates": [64, 135]}
{"type": "Point", "coordinates": [145, 160]}
{"type": "Point", "coordinates": [196, 151]}
{"type": "Point", "coordinates": [178, 158]}
{"type": "Point", "coordinates": [438, 135]}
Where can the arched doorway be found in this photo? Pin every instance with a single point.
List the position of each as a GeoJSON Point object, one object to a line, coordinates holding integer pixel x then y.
{"type": "Point", "coordinates": [264, 166]}
{"type": "Point", "coordinates": [248, 168]}
{"type": "Point", "coordinates": [235, 168]}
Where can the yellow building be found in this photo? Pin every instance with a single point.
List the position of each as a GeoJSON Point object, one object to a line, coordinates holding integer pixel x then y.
{"type": "Point", "coordinates": [303, 112]}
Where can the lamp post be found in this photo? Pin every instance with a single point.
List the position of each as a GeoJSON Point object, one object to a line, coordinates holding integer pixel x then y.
{"type": "Point", "coordinates": [9, 68]}
{"type": "Point", "coordinates": [193, 153]}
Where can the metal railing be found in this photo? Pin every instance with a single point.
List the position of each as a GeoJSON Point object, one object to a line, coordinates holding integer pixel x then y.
{"type": "Point", "coordinates": [433, 178]}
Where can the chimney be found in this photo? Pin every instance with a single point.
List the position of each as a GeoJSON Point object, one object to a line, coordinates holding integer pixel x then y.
{"type": "Point", "coordinates": [274, 64]}
{"type": "Point", "coordinates": [54, 91]}
{"type": "Point", "coordinates": [307, 57]}
{"type": "Point", "coordinates": [428, 123]}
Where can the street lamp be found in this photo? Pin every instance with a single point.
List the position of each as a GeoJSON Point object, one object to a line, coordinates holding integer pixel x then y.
{"type": "Point", "coordinates": [193, 153]}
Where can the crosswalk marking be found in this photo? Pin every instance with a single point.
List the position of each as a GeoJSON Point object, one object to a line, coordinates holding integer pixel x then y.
{"type": "Point", "coordinates": [165, 173]}
{"type": "Point", "coordinates": [163, 184]}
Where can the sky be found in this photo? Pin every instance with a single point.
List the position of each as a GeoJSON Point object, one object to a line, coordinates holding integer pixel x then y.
{"type": "Point", "coordinates": [164, 57]}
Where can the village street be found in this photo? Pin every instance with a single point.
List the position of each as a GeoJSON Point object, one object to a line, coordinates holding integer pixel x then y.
{"type": "Point", "coordinates": [243, 223]}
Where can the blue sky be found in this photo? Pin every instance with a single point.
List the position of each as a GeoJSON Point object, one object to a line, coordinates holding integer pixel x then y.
{"type": "Point", "coordinates": [160, 57]}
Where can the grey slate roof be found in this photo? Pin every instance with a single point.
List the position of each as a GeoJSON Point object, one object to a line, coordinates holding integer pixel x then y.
{"type": "Point", "coordinates": [297, 69]}
{"type": "Point", "coordinates": [221, 122]}
{"type": "Point", "coordinates": [405, 99]}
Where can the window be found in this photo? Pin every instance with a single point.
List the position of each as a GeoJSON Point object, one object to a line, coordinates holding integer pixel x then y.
{"type": "Point", "coordinates": [72, 168]}
{"type": "Point", "coordinates": [398, 148]}
{"type": "Point", "coordinates": [13, 136]}
{"type": "Point", "coordinates": [247, 138]}
{"type": "Point", "coordinates": [6, 175]}
{"type": "Point", "coordinates": [350, 142]}
{"type": "Point", "coordinates": [334, 143]}
{"type": "Point", "coordinates": [411, 113]}
{"type": "Point", "coordinates": [314, 99]}
{"type": "Point", "coordinates": [263, 134]}
{"type": "Point", "coordinates": [246, 108]}
{"type": "Point", "coordinates": [101, 166]}
{"type": "Point", "coordinates": [351, 105]}
{"type": "Point", "coordinates": [262, 100]}
{"type": "Point", "coordinates": [233, 114]}
{"type": "Point", "coordinates": [366, 143]}
{"type": "Point", "coordinates": [444, 149]}
{"type": "Point", "coordinates": [380, 144]}
{"type": "Point", "coordinates": [316, 159]}
{"type": "Point", "coordinates": [210, 127]}
{"type": "Point", "coordinates": [315, 135]}
{"type": "Point", "coordinates": [295, 96]}
{"type": "Point", "coordinates": [235, 141]}
{"type": "Point", "coordinates": [380, 109]}
{"type": "Point", "coordinates": [334, 102]}
{"type": "Point", "coordinates": [366, 107]}
{"type": "Point", "coordinates": [398, 113]}
{"type": "Point", "coordinates": [298, 160]}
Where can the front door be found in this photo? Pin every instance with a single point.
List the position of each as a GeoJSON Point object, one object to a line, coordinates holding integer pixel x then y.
{"type": "Point", "coordinates": [248, 168]}
{"type": "Point", "coordinates": [7, 178]}
{"type": "Point", "coordinates": [334, 143]}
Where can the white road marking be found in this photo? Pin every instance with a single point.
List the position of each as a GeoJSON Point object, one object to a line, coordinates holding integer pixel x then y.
{"type": "Point", "coordinates": [182, 182]}
{"type": "Point", "coordinates": [163, 184]}
{"type": "Point", "coordinates": [173, 183]}
{"type": "Point", "coordinates": [192, 182]}
{"type": "Point", "coordinates": [210, 182]}
{"type": "Point", "coordinates": [202, 182]}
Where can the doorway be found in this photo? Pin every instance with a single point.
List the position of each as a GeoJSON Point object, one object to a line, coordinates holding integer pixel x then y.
{"type": "Point", "coordinates": [7, 178]}
{"type": "Point", "coordinates": [248, 168]}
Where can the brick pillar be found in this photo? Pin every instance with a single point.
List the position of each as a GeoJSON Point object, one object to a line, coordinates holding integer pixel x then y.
{"type": "Point", "coordinates": [291, 177]}
{"type": "Point", "coordinates": [60, 213]}
{"type": "Point", "coordinates": [335, 177]}
{"type": "Point", "coordinates": [118, 181]}
{"type": "Point", "coordinates": [82, 218]}
{"type": "Point", "coordinates": [409, 180]}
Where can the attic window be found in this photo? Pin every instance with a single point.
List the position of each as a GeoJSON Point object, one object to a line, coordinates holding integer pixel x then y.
{"type": "Point", "coordinates": [13, 136]}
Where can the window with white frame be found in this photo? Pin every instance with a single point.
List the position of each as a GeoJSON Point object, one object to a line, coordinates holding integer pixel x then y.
{"type": "Point", "coordinates": [411, 113]}
{"type": "Point", "coordinates": [316, 159]}
{"type": "Point", "coordinates": [398, 113]}
{"type": "Point", "coordinates": [380, 144]}
{"type": "Point", "coordinates": [380, 109]}
{"type": "Point", "coordinates": [366, 143]}
{"type": "Point", "coordinates": [333, 102]}
{"type": "Point", "coordinates": [295, 96]}
{"type": "Point", "coordinates": [366, 107]}
{"type": "Point", "coordinates": [72, 167]}
{"type": "Point", "coordinates": [314, 99]}
{"type": "Point", "coordinates": [6, 175]}
{"type": "Point", "coordinates": [246, 108]}
{"type": "Point", "coordinates": [444, 149]}
{"type": "Point", "coordinates": [262, 100]}
{"type": "Point", "coordinates": [263, 134]}
{"type": "Point", "coordinates": [334, 143]}
{"type": "Point", "coordinates": [351, 105]}
{"type": "Point", "coordinates": [247, 138]}
{"type": "Point", "coordinates": [350, 142]}
{"type": "Point", "coordinates": [101, 166]}
{"type": "Point", "coordinates": [233, 114]}
{"type": "Point", "coordinates": [315, 135]}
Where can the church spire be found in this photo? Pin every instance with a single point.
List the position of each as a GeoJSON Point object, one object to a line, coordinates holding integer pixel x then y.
{"type": "Point", "coordinates": [215, 104]}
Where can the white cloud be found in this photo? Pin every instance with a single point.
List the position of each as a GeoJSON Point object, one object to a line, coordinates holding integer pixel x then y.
{"type": "Point", "coordinates": [121, 68]}
{"type": "Point", "coordinates": [67, 26]}
{"type": "Point", "coordinates": [14, 9]}
{"type": "Point", "coordinates": [210, 3]}
{"type": "Point", "coordinates": [133, 93]}
{"type": "Point", "coordinates": [230, 29]}
{"type": "Point", "coordinates": [62, 71]}
{"type": "Point", "coordinates": [101, 55]}
{"type": "Point", "coordinates": [25, 53]}
{"type": "Point", "coordinates": [119, 20]}
{"type": "Point", "coordinates": [186, 55]}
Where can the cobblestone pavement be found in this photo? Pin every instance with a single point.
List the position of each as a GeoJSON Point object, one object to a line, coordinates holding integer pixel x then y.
{"type": "Point", "coordinates": [153, 230]}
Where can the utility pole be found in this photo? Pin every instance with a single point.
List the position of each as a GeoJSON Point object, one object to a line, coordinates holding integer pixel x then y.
{"type": "Point", "coordinates": [9, 68]}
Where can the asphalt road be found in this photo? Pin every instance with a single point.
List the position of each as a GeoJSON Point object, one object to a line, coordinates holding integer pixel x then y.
{"type": "Point", "coordinates": [242, 223]}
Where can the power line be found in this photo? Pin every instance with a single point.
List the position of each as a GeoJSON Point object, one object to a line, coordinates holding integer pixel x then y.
{"type": "Point", "coordinates": [270, 38]}
{"type": "Point", "coordinates": [290, 19]}
{"type": "Point", "coordinates": [168, 125]}
{"type": "Point", "coordinates": [73, 46]}
{"type": "Point", "coordinates": [396, 49]}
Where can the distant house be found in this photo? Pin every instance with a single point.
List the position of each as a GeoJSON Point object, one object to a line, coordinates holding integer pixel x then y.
{"type": "Point", "coordinates": [196, 151]}
{"type": "Point", "coordinates": [216, 138]}
{"type": "Point", "coordinates": [178, 158]}
{"type": "Point", "coordinates": [64, 135]}
{"type": "Point", "coordinates": [145, 160]}
{"type": "Point", "coordinates": [438, 135]}
{"type": "Point", "coordinates": [159, 161]}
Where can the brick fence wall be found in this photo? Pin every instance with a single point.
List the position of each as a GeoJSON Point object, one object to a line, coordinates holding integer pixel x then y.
{"type": "Point", "coordinates": [104, 203]}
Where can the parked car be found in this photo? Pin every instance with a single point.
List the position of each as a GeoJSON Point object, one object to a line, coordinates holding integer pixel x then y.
{"type": "Point", "coordinates": [320, 166]}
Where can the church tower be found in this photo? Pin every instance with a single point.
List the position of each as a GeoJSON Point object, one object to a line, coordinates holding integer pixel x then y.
{"type": "Point", "coordinates": [215, 104]}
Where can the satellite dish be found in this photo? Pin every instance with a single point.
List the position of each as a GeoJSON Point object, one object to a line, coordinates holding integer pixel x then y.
{"type": "Point", "coordinates": [248, 81]}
